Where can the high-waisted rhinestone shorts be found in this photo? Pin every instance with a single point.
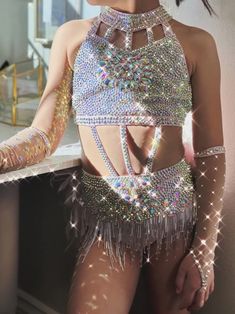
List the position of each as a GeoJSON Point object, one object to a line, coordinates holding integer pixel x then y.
{"type": "Point", "coordinates": [132, 211]}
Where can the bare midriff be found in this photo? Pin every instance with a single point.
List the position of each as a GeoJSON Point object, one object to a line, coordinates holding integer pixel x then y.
{"type": "Point", "coordinates": [169, 152]}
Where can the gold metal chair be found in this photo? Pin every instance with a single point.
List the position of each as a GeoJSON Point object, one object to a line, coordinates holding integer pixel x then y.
{"type": "Point", "coordinates": [21, 86]}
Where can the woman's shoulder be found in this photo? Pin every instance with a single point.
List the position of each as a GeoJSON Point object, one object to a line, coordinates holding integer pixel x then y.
{"type": "Point", "coordinates": [196, 37]}
{"type": "Point", "coordinates": [197, 42]}
{"type": "Point", "coordinates": [79, 25]}
{"type": "Point", "coordinates": [72, 34]}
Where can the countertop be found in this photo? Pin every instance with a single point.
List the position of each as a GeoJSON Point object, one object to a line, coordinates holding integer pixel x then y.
{"type": "Point", "coordinates": [64, 157]}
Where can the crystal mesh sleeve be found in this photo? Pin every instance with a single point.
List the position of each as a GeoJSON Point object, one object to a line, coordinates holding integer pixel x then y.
{"type": "Point", "coordinates": [209, 174]}
{"type": "Point", "coordinates": [32, 144]}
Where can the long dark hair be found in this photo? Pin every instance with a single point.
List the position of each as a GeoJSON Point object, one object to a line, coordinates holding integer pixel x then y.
{"type": "Point", "coordinates": [206, 4]}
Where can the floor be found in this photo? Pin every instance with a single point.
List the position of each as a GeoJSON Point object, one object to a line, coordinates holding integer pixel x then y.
{"type": "Point", "coordinates": [25, 307]}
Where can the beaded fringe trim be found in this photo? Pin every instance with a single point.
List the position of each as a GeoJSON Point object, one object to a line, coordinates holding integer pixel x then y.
{"type": "Point", "coordinates": [119, 236]}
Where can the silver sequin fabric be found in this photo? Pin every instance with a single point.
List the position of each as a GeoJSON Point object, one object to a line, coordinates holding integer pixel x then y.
{"type": "Point", "coordinates": [162, 95]}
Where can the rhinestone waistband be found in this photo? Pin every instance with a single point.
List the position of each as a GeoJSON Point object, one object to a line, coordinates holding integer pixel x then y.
{"type": "Point", "coordinates": [138, 197]}
{"type": "Point", "coordinates": [160, 175]}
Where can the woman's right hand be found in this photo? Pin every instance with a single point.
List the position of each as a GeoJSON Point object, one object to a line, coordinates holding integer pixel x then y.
{"type": "Point", "coordinates": [188, 284]}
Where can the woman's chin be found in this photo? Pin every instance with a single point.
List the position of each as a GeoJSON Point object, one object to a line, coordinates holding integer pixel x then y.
{"type": "Point", "coordinates": [101, 2]}
{"type": "Point", "coordinates": [95, 2]}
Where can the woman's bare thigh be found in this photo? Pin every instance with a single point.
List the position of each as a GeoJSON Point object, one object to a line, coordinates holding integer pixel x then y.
{"type": "Point", "coordinates": [97, 288]}
{"type": "Point", "coordinates": [160, 278]}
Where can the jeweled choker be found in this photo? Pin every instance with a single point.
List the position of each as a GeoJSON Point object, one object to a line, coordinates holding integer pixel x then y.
{"type": "Point", "coordinates": [134, 21]}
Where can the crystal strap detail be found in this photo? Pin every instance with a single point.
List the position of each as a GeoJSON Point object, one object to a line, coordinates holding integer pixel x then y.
{"type": "Point", "coordinates": [125, 151]}
{"type": "Point", "coordinates": [152, 153]}
{"type": "Point", "coordinates": [128, 42]}
{"type": "Point", "coordinates": [102, 151]}
{"type": "Point", "coordinates": [137, 21]}
{"type": "Point", "coordinates": [150, 34]}
{"type": "Point", "coordinates": [204, 276]}
{"type": "Point", "coordinates": [210, 151]}
{"type": "Point", "coordinates": [109, 32]}
{"type": "Point", "coordinates": [168, 30]}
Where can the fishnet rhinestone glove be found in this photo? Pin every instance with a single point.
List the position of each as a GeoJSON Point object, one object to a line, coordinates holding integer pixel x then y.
{"type": "Point", "coordinates": [25, 148]}
{"type": "Point", "coordinates": [209, 176]}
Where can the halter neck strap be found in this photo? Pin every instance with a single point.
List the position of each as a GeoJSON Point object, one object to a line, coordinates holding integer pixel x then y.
{"type": "Point", "coordinates": [131, 22]}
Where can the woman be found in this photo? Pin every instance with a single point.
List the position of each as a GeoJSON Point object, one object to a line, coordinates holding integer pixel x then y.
{"type": "Point", "coordinates": [133, 73]}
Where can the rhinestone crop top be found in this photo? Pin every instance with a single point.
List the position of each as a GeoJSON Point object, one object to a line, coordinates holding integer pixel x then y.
{"type": "Point", "coordinates": [149, 85]}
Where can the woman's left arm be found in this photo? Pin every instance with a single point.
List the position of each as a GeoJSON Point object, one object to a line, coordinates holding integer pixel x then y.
{"type": "Point", "coordinates": [208, 169]}
{"type": "Point", "coordinates": [209, 156]}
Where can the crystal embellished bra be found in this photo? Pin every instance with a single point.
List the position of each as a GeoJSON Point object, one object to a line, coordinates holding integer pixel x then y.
{"type": "Point", "coordinates": [149, 85]}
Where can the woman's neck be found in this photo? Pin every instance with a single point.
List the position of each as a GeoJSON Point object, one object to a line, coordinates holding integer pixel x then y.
{"type": "Point", "coordinates": [136, 6]}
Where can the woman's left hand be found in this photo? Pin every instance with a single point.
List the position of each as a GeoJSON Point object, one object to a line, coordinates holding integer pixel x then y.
{"type": "Point", "coordinates": [188, 283]}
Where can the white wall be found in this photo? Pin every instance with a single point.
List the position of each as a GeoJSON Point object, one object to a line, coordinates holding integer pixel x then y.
{"type": "Point", "coordinates": [223, 29]}
{"type": "Point", "coordinates": [14, 29]}
{"type": "Point", "coordinates": [89, 10]}
{"type": "Point", "coordinates": [13, 39]}
{"type": "Point", "coordinates": [43, 52]}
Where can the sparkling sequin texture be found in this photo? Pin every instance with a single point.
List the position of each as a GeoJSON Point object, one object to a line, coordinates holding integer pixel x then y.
{"type": "Point", "coordinates": [169, 96]}
{"type": "Point", "coordinates": [139, 197]}
{"type": "Point", "coordinates": [149, 85]}
{"type": "Point", "coordinates": [126, 72]}
{"type": "Point", "coordinates": [62, 108]}
{"type": "Point", "coordinates": [23, 149]}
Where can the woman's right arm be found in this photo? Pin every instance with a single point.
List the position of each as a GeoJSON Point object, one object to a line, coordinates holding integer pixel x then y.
{"type": "Point", "coordinates": [32, 144]}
